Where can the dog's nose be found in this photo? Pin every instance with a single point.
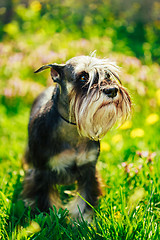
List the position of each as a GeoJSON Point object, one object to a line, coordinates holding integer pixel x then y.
{"type": "Point", "coordinates": [111, 92]}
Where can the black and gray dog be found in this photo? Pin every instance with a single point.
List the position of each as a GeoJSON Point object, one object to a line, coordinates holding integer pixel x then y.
{"type": "Point", "coordinates": [66, 123]}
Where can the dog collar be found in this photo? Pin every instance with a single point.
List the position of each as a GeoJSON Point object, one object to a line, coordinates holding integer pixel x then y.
{"type": "Point", "coordinates": [66, 120]}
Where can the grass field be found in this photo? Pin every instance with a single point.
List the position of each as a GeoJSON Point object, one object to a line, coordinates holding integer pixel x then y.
{"type": "Point", "coordinates": [129, 161]}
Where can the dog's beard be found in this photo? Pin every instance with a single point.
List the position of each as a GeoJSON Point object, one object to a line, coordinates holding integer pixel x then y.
{"type": "Point", "coordinates": [95, 113]}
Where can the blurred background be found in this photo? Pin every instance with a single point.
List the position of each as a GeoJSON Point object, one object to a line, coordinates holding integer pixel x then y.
{"type": "Point", "coordinates": [132, 26]}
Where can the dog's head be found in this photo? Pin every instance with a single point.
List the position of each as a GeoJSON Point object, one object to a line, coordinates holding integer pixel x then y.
{"type": "Point", "coordinates": [94, 93]}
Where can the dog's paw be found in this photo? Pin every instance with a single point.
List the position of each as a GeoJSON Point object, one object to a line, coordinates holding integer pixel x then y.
{"type": "Point", "coordinates": [78, 210]}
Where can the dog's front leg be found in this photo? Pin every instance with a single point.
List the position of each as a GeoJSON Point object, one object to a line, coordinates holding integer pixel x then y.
{"type": "Point", "coordinates": [40, 189]}
{"type": "Point", "coordinates": [89, 191]}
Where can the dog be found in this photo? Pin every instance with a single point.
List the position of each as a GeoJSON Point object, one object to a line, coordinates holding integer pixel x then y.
{"type": "Point", "coordinates": [67, 122]}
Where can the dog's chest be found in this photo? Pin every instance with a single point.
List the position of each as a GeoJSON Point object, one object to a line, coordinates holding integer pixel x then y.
{"type": "Point", "coordinates": [73, 149]}
{"type": "Point", "coordinates": [72, 156]}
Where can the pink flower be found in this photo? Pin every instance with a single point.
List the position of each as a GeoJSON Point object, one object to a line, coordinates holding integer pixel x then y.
{"type": "Point", "coordinates": [142, 153]}
{"type": "Point", "coordinates": [124, 164]}
{"type": "Point", "coordinates": [8, 92]}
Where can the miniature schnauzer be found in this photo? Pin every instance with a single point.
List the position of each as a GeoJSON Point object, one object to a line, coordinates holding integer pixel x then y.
{"type": "Point", "coordinates": [66, 124]}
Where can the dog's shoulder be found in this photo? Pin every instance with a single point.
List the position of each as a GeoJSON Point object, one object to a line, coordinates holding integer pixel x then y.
{"type": "Point", "coordinates": [44, 117]}
{"type": "Point", "coordinates": [47, 97]}
{"type": "Point", "coordinates": [44, 120]}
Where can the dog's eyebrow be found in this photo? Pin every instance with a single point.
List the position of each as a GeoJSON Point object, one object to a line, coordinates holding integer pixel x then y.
{"type": "Point", "coordinates": [116, 77]}
{"type": "Point", "coordinates": [81, 74]}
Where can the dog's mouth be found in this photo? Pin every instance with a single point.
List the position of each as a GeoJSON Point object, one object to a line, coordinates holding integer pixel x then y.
{"type": "Point", "coordinates": [104, 104]}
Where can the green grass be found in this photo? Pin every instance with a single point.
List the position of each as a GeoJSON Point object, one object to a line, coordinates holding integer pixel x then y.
{"type": "Point", "coordinates": [129, 161]}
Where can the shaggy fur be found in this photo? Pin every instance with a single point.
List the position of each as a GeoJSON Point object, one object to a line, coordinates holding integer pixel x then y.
{"type": "Point", "coordinates": [66, 123]}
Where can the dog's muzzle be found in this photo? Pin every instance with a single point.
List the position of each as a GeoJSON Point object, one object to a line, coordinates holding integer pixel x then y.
{"type": "Point", "coordinates": [111, 92]}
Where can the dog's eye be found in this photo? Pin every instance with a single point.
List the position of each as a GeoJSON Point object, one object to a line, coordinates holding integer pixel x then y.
{"type": "Point", "coordinates": [107, 75]}
{"type": "Point", "coordinates": [84, 77]}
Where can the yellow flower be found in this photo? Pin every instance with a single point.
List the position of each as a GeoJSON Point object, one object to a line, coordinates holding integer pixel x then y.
{"type": "Point", "coordinates": [117, 138]}
{"type": "Point", "coordinates": [136, 197]}
{"type": "Point", "coordinates": [33, 228]}
{"type": "Point", "coordinates": [158, 96]}
{"type": "Point", "coordinates": [117, 215]}
{"type": "Point", "coordinates": [152, 119]}
{"type": "Point", "coordinates": [36, 6]}
{"type": "Point", "coordinates": [105, 147]}
{"type": "Point", "coordinates": [137, 132]}
{"type": "Point", "coordinates": [126, 125]}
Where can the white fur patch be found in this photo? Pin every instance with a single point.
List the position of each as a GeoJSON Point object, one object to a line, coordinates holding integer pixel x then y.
{"type": "Point", "coordinates": [86, 157]}
{"type": "Point", "coordinates": [62, 160]}
{"type": "Point", "coordinates": [65, 159]}
{"type": "Point", "coordinates": [77, 204]}
{"type": "Point", "coordinates": [94, 121]}
{"type": "Point", "coordinates": [69, 87]}
{"type": "Point", "coordinates": [77, 207]}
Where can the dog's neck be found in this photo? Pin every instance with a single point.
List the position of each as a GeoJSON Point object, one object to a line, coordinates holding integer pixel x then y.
{"type": "Point", "coordinates": [67, 120]}
{"type": "Point", "coordinates": [63, 110]}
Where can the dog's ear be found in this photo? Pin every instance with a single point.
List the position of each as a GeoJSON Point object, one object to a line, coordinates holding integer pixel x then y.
{"type": "Point", "coordinates": [56, 71]}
